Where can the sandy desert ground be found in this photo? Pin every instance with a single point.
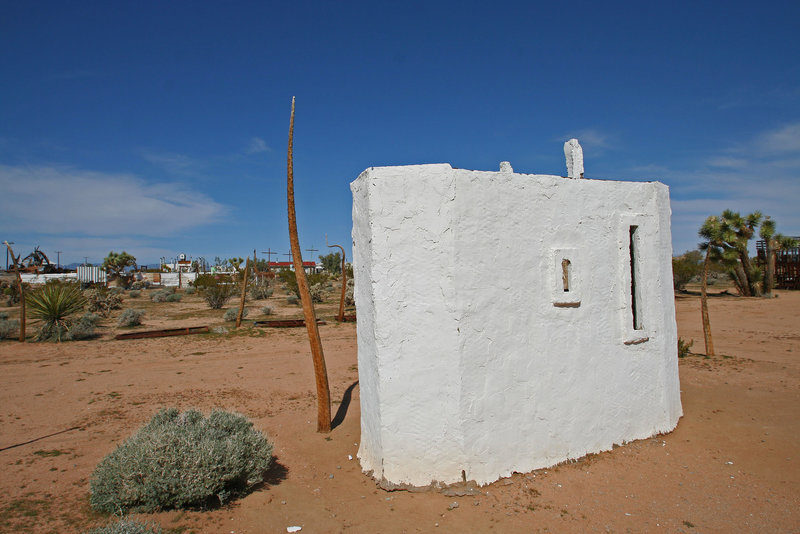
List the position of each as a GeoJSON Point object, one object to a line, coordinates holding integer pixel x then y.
{"type": "Point", "coordinates": [730, 466]}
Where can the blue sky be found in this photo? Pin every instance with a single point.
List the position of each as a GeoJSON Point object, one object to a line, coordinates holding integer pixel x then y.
{"type": "Point", "coordinates": [161, 127]}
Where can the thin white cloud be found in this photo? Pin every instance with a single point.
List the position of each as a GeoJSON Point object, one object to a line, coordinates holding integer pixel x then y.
{"type": "Point", "coordinates": [54, 200]}
{"type": "Point", "coordinates": [172, 162]}
{"type": "Point", "coordinates": [780, 141]}
{"type": "Point", "coordinates": [257, 145]}
{"type": "Point", "coordinates": [762, 176]}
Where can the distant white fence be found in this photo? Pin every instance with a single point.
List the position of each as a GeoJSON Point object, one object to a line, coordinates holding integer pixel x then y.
{"type": "Point", "coordinates": [176, 279]}
{"type": "Point", "coordinates": [36, 279]}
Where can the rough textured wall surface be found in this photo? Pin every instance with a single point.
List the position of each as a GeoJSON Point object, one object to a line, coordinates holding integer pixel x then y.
{"type": "Point", "coordinates": [496, 324]}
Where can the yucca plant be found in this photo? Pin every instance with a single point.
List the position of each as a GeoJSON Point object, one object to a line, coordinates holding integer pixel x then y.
{"type": "Point", "coordinates": [53, 303]}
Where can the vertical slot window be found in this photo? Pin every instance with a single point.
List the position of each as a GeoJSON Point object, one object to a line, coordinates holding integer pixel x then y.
{"type": "Point", "coordinates": [565, 269]}
{"type": "Point", "coordinates": [636, 304]}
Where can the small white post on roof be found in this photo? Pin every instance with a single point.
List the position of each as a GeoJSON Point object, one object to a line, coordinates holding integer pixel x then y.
{"type": "Point", "coordinates": [505, 166]}
{"type": "Point", "coordinates": [574, 155]}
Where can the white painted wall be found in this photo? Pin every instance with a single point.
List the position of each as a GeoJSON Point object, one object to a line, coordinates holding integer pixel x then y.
{"type": "Point", "coordinates": [471, 356]}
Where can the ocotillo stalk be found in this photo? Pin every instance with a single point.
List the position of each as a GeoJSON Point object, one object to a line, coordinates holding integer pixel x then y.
{"type": "Point", "coordinates": [320, 372]}
{"type": "Point", "coordinates": [244, 293]}
{"type": "Point", "coordinates": [704, 307]}
{"type": "Point", "coordinates": [21, 294]}
{"type": "Point", "coordinates": [340, 318]}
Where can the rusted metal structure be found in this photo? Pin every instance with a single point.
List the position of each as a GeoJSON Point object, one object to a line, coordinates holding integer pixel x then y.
{"type": "Point", "coordinates": [284, 323]}
{"type": "Point", "coordinates": [787, 264]}
{"type": "Point", "coordinates": [164, 333]}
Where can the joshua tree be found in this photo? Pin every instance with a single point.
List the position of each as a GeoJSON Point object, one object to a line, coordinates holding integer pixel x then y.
{"type": "Point", "coordinates": [320, 372]}
{"type": "Point", "coordinates": [712, 232]}
{"type": "Point", "coordinates": [737, 232]}
{"type": "Point", "coordinates": [773, 243]}
{"type": "Point", "coordinates": [117, 262]}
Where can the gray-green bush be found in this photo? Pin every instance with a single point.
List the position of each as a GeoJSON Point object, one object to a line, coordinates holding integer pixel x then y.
{"type": "Point", "coordinates": [130, 317]}
{"type": "Point", "coordinates": [189, 291]}
{"type": "Point", "coordinates": [134, 293]}
{"type": "Point", "coordinates": [182, 460]}
{"type": "Point", "coordinates": [266, 310]}
{"type": "Point", "coordinates": [260, 289]}
{"type": "Point", "coordinates": [231, 313]}
{"type": "Point", "coordinates": [127, 525]}
{"type": "Point", "coordinates": [8, 328]}
{"type": "Point", "coordinates": [291, 299]}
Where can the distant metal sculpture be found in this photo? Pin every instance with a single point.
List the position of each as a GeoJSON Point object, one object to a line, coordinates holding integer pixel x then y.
{"type": "Point", "coordinates": [36, 261]}
{"type": "Point", "coordinates": [340, 317]}
{"type": "Point", "coordinates": [320, 372]}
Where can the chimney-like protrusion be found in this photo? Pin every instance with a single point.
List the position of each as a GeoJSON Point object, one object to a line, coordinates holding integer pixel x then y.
{"type": "Point", "coordinates": [574, 154]}
{"type": "Point", "coordinates": [505, 166]}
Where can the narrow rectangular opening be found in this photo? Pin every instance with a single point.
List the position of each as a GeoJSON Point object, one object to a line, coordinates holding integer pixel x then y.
{"type": "Point", "coordinates": [565, 263]}
{"type": "Point", "coordinates": [635, 297]}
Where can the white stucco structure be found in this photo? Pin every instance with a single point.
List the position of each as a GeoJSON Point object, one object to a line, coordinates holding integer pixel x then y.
{"type": "Point", "coordinates": [474, 361]}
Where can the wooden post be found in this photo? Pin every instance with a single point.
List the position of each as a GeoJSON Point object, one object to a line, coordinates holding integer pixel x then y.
{"type": "Point", "coordinates": [704, 307]}
{"type": "Point", "coordinates": [320, 372]}
{"type": "Point", "coordinates": [21, 294]}
{"type": "Point", "coordinates": [244, 293]}
{"type": "Point", "coordinates": [340, 318]}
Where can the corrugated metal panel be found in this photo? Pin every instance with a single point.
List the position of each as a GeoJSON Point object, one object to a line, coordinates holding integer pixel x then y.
{"type": "Point", "coordinates": [90, 273]}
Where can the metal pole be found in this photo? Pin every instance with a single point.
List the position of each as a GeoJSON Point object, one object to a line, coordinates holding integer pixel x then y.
{"type": "Point", "coordinates": [59, 259]}
{"type": "Point", "coordinates": [8, 243]}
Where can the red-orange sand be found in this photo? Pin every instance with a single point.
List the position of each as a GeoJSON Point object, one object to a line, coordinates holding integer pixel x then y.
{"type": "Point", "coordinates": [732, 464]}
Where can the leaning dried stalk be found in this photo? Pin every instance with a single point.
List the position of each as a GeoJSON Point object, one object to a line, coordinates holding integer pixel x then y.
{"type": "Point", "coordinates": [320, 372]}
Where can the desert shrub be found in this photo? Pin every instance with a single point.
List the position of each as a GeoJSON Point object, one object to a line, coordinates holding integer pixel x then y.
{"type": "Point", "coordinates": [266, 310]}
{"type": "Point", "coordinates": [103, 301]}
{"type": "Point", "coordinates": [141, 284]}
{"type": "Point", "coordinates": [127, 525]}
{"type": "Point", "coordinates": [116, 291]}
{"type": "Point", "coordinates": [130, 317]}
{"type": "Point", "coordinates": [11, 291]}
{"type": "Point", "coordinates": [260, 289]}
{"type": "Point", "coordinates": [134, 293]}
{"type": "Point", "coordinates": [215, 291]}
{"type": "Point", "coordinates": [317, 278]}
{"type": "Point", "coordinates": [317, 293]}
{"type": "Point", "coordinates": [289, 279]}
{"type": "Point", "coordinates": [685, 267]}
{"type": "Point", "coordinates": [291, 299]}
{"type": "Point", "coordinates": [189, 290]}
{"type": "Point", "coordinates": [230, 314]}
{"type": "Point", "coordinates": [181, 460]}
{"type": "Point", "coordinates": [684, 348]}
{"type": "Point", "coordinates": [349, 297]}
{"type": "Point", "coordinates": [83, 328]}
{"type": "Point", "coordinates": [8, 328]}
{"type": "Point", "coordinates": [166, 294]}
